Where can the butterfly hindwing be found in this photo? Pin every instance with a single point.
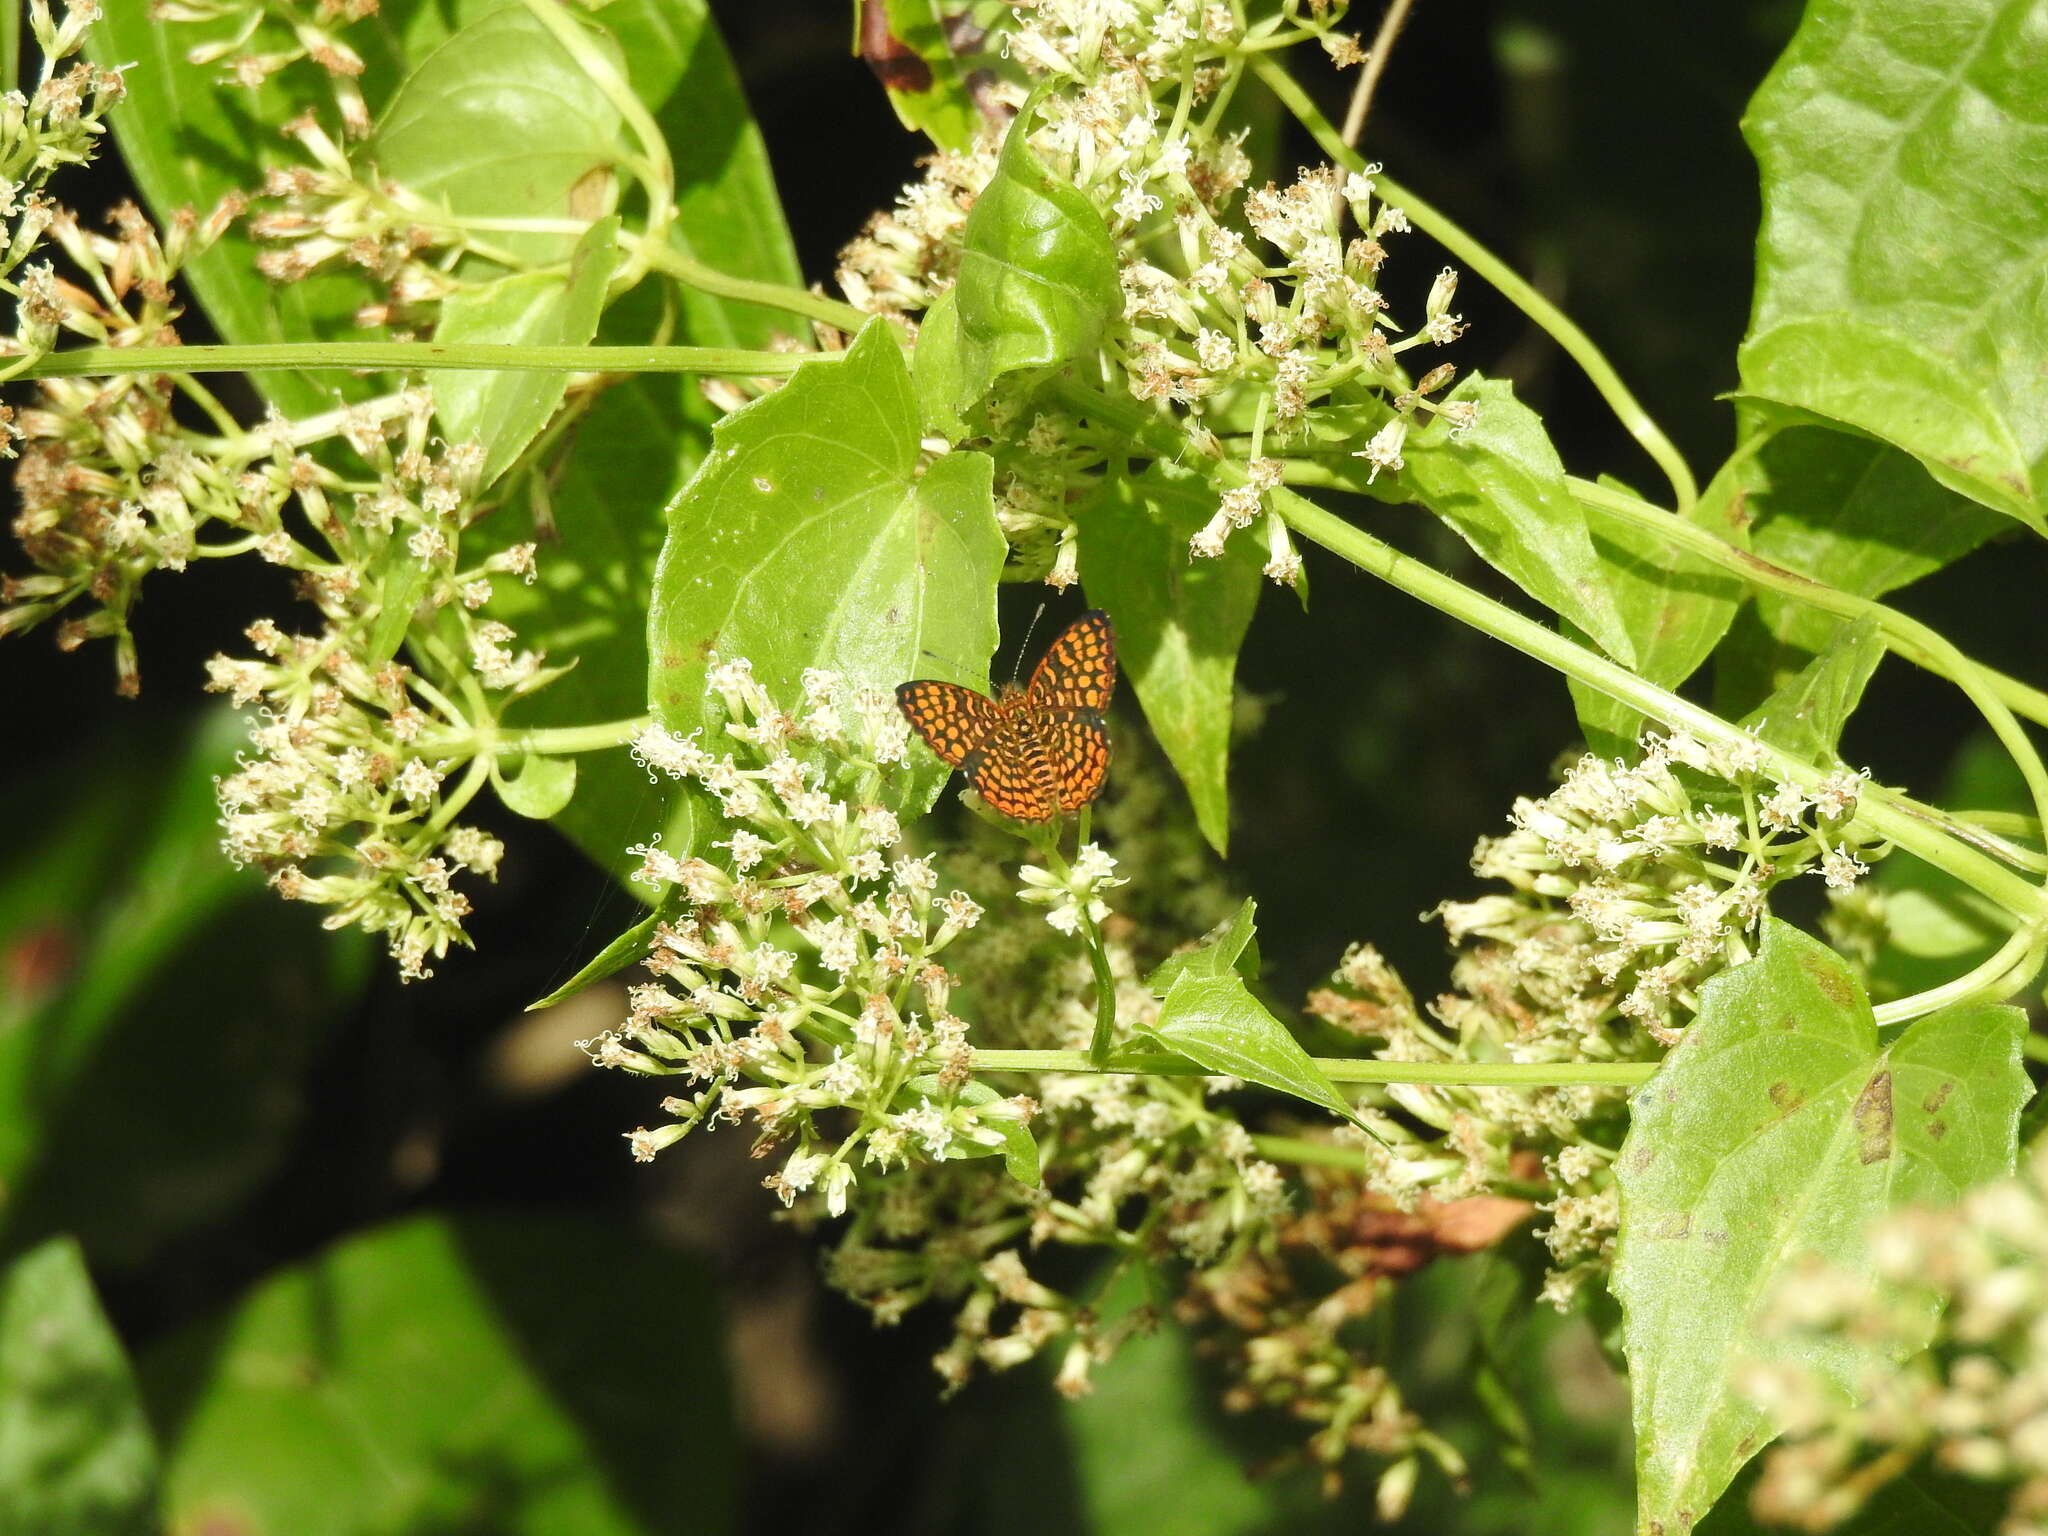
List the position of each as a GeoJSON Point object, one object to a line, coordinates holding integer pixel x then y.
{"type": "Point", "coordinates": [1079, 671]}
{"type": "Point", "coordinates": [953, 721]}
{"type": "Point", "coordinates": [1011, 771]}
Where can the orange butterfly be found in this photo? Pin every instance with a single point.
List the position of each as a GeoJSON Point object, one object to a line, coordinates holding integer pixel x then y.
{"type": "Point", "coordinates": [1036, 752]}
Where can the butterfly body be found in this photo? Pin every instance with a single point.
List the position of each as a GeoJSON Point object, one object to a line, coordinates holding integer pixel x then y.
{"type": "Point", "coordinates": [1034, 752]}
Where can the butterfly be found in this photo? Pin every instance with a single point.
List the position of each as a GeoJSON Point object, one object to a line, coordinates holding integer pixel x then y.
{"type": "Point", "coordinates": [1034, 752]}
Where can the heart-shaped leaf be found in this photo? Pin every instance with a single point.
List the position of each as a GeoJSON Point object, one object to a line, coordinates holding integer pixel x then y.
{"type": "Point", "coordinates": [814, 536]}
{"type": "Point", "coordinates": [1771, 1138]}
{"type": "Point", "coordinates": [1898, 266]}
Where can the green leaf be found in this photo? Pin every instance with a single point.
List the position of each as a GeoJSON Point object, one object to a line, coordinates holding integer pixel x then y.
{"type": "Point", "coordinates": [1038, 275]}
{"type": "Point", "coordinates": [1806, 714]}
{"type": "Point", "coordinates": [808, 539]}
{"type": "Point", "coordinates": [637, 446]}
{"type": "Point", "coordinates": [501, 122]}
{"type": "Point", "coordinates": [1674, 606]}
{"type": "Point", "coordinates": [1772, 1138]}
{"type": "Point", "coordinates": [1179, 623]}
{"type": "Point", "coordinates": [1019, 1148]}
{"type": "Point", "coordinates": [1502, 487]}
{"type": "Point", "coordinates": [1845, 510]}
{"type": "Point", "coordinates": [1215, 1022]}
{"type": "Point", "coordinates": [75, 1450]}
{"type": "Point", "coordinates": [166, 965]}
{"type": "Point", "coordinates": [1230, 952]}
{"type": "Point", "coordinates": [541, 787]}
{"type": "Point", "coordinates": [947, 382]}
{"type": "Point", "coordinates": [1898, 267]}
{"type": "Point", "coordinates": [528, 1375]}
{"type": "Point", "coordinates": [506, 411]}
{"type": "Point", "coordinates": [629, 948]}
{"type": "Point", "coordinates": [935, 63]}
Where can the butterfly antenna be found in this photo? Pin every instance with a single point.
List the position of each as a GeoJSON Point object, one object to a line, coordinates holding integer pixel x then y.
{"type": "Point", "coordinates": [1017, 667]}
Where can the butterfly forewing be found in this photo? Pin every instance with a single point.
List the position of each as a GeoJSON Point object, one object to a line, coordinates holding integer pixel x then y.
{"type": "Point", "coordinates": [953, 721]}
{"type": "Point", "coordinates": [1079, 671]}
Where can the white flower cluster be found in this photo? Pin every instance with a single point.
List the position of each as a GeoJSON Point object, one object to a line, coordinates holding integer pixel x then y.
{"type": "Point", "coordinates": [1123, 1156]}
{"type": "Point", "coordinates": [1663, 876]}
{"type": "Point", "coordinates": [347, 803]}
{"type": "Point", "coordinates": [804, 978]}
{"type": "Point", "coordinates": [1262, 315]}
{"type": "Point", "coordinates": [1973, 1397]}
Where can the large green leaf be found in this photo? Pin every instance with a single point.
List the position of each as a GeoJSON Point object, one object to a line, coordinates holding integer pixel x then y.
{"type": "Point", "coordinates": [500, 121]}
{"type": "Point", "coordinates": [1772, 1138]}
{"type": "Point", "coordinates": [638, 445]}
{"type": "Point", "coordinates": [534, 1375]}
{"type": "Point", "coordinates": [1038, 282]}
{"type": "Point", "coordinates": [1900, 267]}
{"type": "Point", "coordinates": [166, 965]}
{"type": "Point", "coordinates": [1675, 607]}
{"type": "Point", "coordinates": [506, 411]}
{"type": "Point", "coordinates": [809, 539]}
{"type": "Point", "coordinates": [1179, 623]}
{"type": "Point", "coordinates": [76, 1458]}
{"type": "Point", "coordinates": [1501, 486]}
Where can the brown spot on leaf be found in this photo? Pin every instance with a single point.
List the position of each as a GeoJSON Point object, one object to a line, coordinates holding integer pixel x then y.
{"type": "Point", "coordinates": [894, 62]}
{"type": "Point", "coordinates": [1785, 1098]}
{"type": "Point", "coordinates": [1939, 1097]}
{"type": "Point", "coordinates": [1834, 986]}
{"type": "Point", "coordinates": [1674, 1225]}
{"type": "Point", "coordinates": [1936, 1129]}
{"type": "Point", "coordinates": [1873, 1117]}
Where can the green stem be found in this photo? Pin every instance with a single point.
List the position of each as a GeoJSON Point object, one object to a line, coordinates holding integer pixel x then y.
{"type": "Point", "coordinates": [1509, 283]}
{"type": "Point", "coordinates": [659, 168]}
{"type": "Point", "coordinates": [1930, 647]}
{"type": "Point", "coordinates": [2019, 956]}
{"type": "Point", "coordinates": [1903, 635]}
{"type": "Point", "coordinates": [1319, 1154]}
{"type": "Point", "coordinates": [1344, 1069]}
{"type": "Point", "coordinates": [1878, 810]}
{"type": "Point", "coordinates": [546, 741]}
{"type": "Point", "coordinates": [812, 306]}
{"type": "Point", "coordinates": [1105, 990]}
{"type": "Point", "coordinates": [107, 361]}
